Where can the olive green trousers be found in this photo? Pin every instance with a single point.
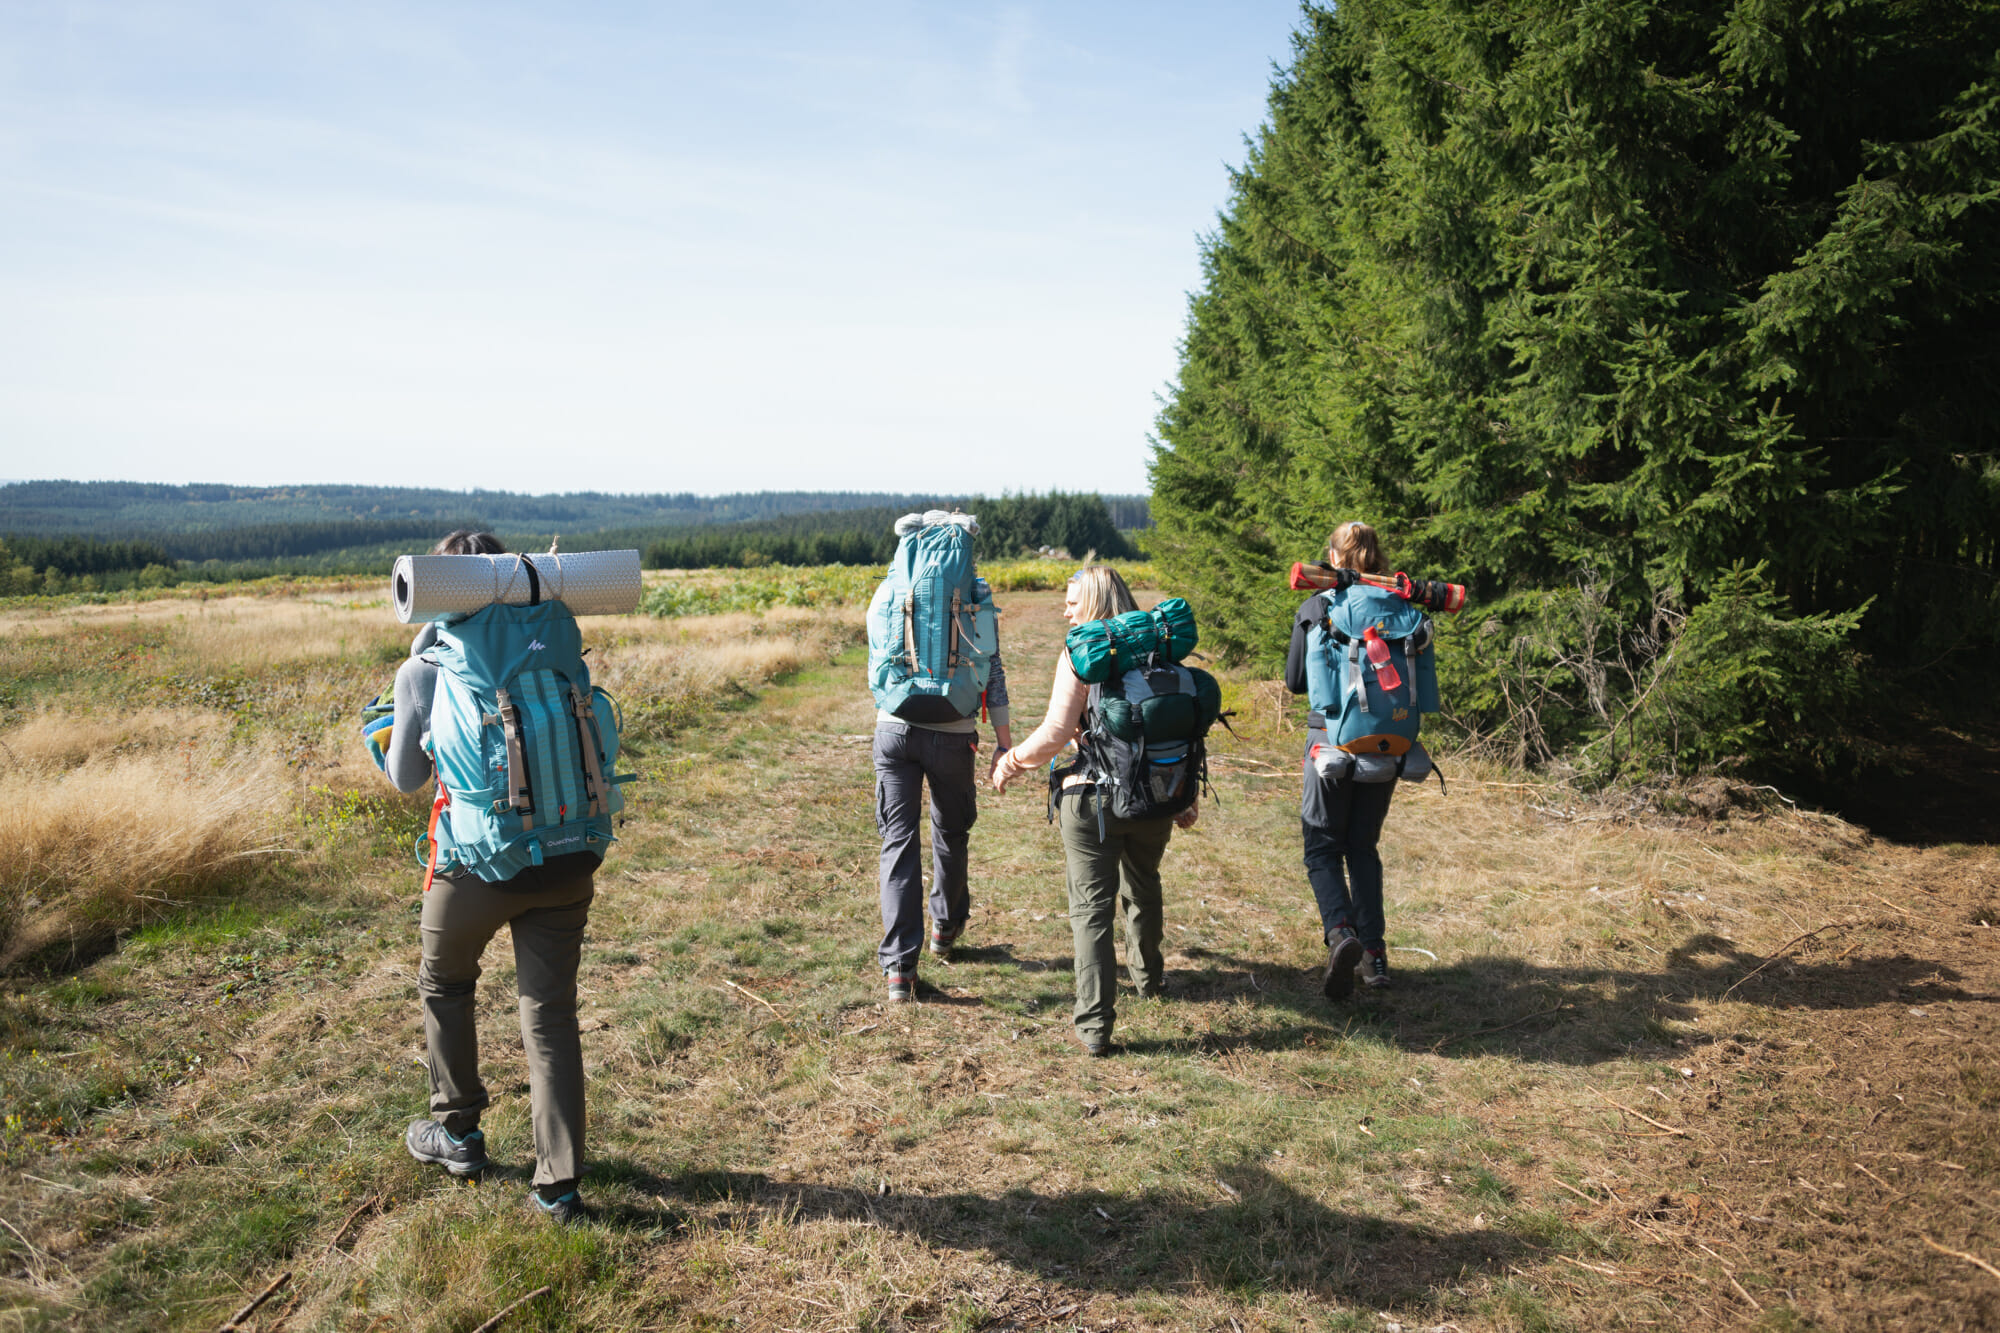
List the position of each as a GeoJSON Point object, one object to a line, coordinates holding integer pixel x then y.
{"type": "Point", "coordinates": [1120, 870]}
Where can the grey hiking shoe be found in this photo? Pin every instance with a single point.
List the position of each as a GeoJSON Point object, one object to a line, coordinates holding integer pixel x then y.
{"type": "Point", "coordinates": [1375, 972]}
{"type": "Point", "coordinates": [902, 986]}
{"type": "Point", "coordinates": [944, 936]}
{"type": "Point", "coordinates": [1343, 954]}
{"type": "Point", "coordinates": [428, 1141]}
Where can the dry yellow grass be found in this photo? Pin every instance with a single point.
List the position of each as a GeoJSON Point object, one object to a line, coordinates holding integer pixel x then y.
{"type": "Point", "coordinates": [61, 738]}
{"type": "Point", "coordinates": [92, 841]}
{"type": "Point", "coordinates": [105, 808]}
{"type": "Point", "coordinates": [671, 664]}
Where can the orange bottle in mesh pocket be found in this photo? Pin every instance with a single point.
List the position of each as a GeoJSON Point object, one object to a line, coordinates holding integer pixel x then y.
{"type": "Point", "coordinates": [1378, 657]}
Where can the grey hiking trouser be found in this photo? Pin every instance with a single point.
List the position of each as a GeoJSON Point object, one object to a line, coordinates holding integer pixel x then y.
{"type": "Point", "coordinates": [1120, 871]}
{"type": "Point", "coordinates": [905, 758]}
{"type": "Point", "coordinates": [460, 915]}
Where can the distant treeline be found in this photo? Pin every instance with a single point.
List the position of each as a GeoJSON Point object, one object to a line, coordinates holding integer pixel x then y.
{"type": "Point", "coordinates": [79, 555]}
{"type": "Point", "coordinates": [270, 541]}
{"type": "Point", "coordinates": [124, 509]}
{"type": "Point", "coordinates": [1008, 526]}
{"type": "Point", "coordinates": [64, 564]}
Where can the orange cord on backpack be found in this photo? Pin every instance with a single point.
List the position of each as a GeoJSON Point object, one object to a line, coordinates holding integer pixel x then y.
{"type": "Point", "coordinates": [437, 808]}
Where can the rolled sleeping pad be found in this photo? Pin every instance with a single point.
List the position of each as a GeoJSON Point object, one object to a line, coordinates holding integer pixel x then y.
{"type": "Point", "coordinates": [589, 583]}
{"type": "Point", "coordinates": [1432, 594]}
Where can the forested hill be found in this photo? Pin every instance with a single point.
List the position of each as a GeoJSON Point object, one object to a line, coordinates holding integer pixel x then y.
{"type": "Point", "coordinates": [59, 537]}
{"type": "Point", "coordinates": [123, 509]}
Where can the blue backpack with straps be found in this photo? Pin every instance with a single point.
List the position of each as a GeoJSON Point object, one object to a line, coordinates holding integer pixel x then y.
{"type": "Point", "coordinates": [1360, 716]}
{"type": "Point", "coordinates": [524, 745]}
{"type": "Point", "coordinates": [932, 631]}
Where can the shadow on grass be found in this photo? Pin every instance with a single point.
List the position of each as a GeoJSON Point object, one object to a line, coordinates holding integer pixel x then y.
{"type": "Point", "coordinates": [1561, 1015]}
{"type": "Point", "coordinates": [1268, 1236]}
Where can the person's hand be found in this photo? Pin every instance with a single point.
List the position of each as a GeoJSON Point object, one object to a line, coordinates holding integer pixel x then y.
{"type": "Point", "coordinates": [1185, 819]}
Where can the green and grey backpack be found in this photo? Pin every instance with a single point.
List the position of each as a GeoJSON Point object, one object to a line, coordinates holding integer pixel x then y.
{"type": "Point", "coordinates": [1146, 725]}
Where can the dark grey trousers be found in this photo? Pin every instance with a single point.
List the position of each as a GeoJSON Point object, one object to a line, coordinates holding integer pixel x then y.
{"type": "Point", "coordinates": [905, 758]}
{"type": "Point", "coordinates": [460, 915]}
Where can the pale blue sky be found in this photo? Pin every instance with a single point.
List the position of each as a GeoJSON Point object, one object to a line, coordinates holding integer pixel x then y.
{"type": "Point", "coordinates": [627, 247]}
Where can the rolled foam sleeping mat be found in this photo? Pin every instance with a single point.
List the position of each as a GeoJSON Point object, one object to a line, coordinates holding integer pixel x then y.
{"type": "Point", "coordinates": [589, 583]}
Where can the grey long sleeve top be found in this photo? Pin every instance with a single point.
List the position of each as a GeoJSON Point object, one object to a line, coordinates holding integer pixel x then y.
{"type": "Point", "coordinates": [416, 681]}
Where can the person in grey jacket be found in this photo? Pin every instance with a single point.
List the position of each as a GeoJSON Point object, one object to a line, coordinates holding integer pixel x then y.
{"type": "Point", "coordinates": [907, 754]}
{"type": "Point", "coordinates": [545, 908]}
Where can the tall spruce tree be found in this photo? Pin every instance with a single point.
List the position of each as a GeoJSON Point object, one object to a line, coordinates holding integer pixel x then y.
{"type": "Point", "coordinates": [1629, 291]}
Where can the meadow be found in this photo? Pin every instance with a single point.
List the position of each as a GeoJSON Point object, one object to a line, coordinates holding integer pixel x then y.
{"type": "Point", "coordinates": [1638, 1069]}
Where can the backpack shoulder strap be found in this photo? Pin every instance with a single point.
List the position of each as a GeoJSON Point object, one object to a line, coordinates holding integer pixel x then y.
{"type": "Point", "coordinates": [1357, 676]}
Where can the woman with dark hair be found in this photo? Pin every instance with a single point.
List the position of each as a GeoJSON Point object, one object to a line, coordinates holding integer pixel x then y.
{"type": "Point", "coordinates": [544, 907]}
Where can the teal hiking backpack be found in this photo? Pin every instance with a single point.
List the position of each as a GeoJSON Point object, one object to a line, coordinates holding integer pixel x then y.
{"type": "Point", "coordinates": [1378, 726]}
{"type": "Point", "coordinates": [525, 747]}
{"type": "Point", "coordinates": [931, 628]}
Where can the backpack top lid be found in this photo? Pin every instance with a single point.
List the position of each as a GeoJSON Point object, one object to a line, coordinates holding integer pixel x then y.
{"type": "Point", "coordinates": [501, 642]}
{"type": "Point", "coordinates": [1355, 609]}
{"type": "Point", "coordinates": [936, 544]}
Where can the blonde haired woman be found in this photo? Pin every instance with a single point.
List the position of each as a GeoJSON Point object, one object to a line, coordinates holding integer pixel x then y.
{"type": "Point", "coordinates": [1120, 863]}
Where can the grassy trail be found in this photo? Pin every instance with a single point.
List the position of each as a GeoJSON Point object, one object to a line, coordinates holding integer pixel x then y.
{"type": "Point", "coordinates": [1572, 1110]}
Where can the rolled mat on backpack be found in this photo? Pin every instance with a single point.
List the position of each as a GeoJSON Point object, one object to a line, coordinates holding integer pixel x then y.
{"type": "Point", "coordinates": [589, 583]}
{"type": "Point", "coordinates": [1431, 594]}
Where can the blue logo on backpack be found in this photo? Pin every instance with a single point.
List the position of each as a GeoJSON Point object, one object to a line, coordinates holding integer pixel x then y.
{"type": "Point", "coordinates": [931, 627]}
{"type": "Point", "coordinates": [523, 744]}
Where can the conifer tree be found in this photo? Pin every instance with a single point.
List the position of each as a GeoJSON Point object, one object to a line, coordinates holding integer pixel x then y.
{"type": "Point", "coordinates": [1622, 291]}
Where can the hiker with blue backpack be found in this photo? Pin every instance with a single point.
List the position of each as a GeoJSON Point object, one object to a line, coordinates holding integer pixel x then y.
{"type": "Point", "coordinates": [1361, 653]}
{"type": "Point", "coordinates": [498, 706]}
{"type": "Point", "coordinates": [1139, 720]}
{"type": "Point", "coordinates": [933, 667]}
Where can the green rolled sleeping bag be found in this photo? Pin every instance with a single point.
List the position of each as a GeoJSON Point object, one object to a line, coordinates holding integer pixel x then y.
{"type": "Point", "coordinates": [1100, 649]}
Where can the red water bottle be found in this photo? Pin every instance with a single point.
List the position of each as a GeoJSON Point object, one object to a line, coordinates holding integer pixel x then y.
{"type": "Point", "coordinates": [1378, 657]}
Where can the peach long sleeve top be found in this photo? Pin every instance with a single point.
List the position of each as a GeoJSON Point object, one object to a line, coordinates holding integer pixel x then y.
{"type": "Point", "coordinates": [1064, 719]}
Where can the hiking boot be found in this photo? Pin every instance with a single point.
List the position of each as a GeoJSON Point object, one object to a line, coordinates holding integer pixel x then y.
{"type": "Point", "coordinates": [1375, 972]}
{"type": "Point", "coordinates": [1155, 990]}
{"type": "Point", "coordinates": [563, 1209]}
{"type": "Point", "coordinates": [902, 986]}
{"type": "Point", "coordinates": [1098, 1047]}
{"type": "Point", "coordinates": [428, 1141]}
{"type": "Point", "coordinates": [943, 937]}
{"type": "Point", "coordinates": [1343, 954]}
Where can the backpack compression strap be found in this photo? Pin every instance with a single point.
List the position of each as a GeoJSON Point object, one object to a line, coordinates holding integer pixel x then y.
{"type": "Point", "coordinates": [587, 741]}
{"type": "Point", "coordinates": [1357, 676]}
{"type": "Point", "coordinates": [519, 796]}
